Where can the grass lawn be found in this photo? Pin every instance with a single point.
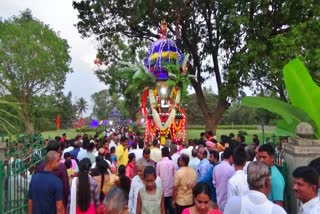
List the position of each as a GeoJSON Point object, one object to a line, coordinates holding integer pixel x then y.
{"type": "Point", "coordinates": [195, 134]}
{"type": "Point", "coordinates": [191, 133]}
{"type": "Point", "coordinates": [71, 133]}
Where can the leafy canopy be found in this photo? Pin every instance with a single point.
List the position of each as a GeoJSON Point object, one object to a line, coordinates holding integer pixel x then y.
{"type": "Point", "coordinates": [33, 60]}
{"type": "Point", "coordinates": [238, 43]}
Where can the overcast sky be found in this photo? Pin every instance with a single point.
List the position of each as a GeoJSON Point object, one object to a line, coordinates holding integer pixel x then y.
{"type": "Point", "coordinates": [61, 17]}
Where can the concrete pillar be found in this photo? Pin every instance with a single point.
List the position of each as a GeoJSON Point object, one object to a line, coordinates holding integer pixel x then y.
{"type": "Point", "coordinates": [299, 151]}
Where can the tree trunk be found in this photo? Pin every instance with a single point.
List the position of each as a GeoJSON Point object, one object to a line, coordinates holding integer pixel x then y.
{"type": "Point", "coordinates": [211, 119]}
{"type": "Point", "coordinates": [214, 118]}
{"type": "Point", "coordinates": [25, 113]}
{"type": "Point", "coordinates": [27, 122]}
{"type": "Point", "coordinates": [132, 113]}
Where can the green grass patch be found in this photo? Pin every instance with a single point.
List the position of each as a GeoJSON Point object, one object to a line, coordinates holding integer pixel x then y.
{"type": "Point", "coordinates": [195, 134]}
{"type": "Point", "coordinates": [191, 133]}
{"type": "Point", "coordinates": [71, 133]}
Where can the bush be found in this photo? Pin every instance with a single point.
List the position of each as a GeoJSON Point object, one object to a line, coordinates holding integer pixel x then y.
{"type": "Point", "coordinates": [88, 129]}
{"type": "Point", "coordinates": [242, 132]}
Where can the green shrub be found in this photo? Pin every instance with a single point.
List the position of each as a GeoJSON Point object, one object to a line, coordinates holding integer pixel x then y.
{"type": "Point", "coordinates": [224, 127]}
{"type": "Point", "coordinates": [242, 132]}
{"type": "Point", "coordinates": [88, 129]}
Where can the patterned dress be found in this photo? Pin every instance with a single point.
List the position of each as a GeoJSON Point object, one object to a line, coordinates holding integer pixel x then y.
{"type": "Point", "coordinates": [150, 204]}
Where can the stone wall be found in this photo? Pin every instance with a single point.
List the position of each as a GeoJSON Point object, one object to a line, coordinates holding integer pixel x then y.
{"type": "Point", "coordinates": [299, 151]}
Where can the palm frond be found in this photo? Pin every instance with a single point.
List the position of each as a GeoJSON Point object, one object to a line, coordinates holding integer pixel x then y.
{"type": "Point", "coordinates": [9, 114]}
{"type": "Point", "coordinates": [185, 61]}
{"type": "Point", "coordinates": [4, 127]}
{"type": "Point", "coordinates": [6, 116]}
{"type": "Point", "coordinates": [172, 76]}
{"type": "Point", "coordinates": [6, 122]}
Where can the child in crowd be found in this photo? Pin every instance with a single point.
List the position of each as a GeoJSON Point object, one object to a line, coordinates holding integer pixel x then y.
{"type": "Point", "coordinates": [71, 172]}
{"type": "Point", "coordinates": [150, 198]}
{"type": "Point", "coordinates": [74, 165]}
{"type": "Point", "coordinates": [129, 171]}
{"type": "Point", "coordinates": [113, 156]}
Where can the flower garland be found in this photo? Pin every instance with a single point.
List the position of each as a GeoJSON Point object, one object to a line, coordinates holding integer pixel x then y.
{"type": "Point", "coordinates": [152, 127]}
{"type": "Point", "coordinates": [155, 114]}
{"type": "Point", "coordinates": [177, 126]}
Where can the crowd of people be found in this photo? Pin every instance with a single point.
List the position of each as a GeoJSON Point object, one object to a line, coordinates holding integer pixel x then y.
{"type": "Point", "coordinates": [120, 173]}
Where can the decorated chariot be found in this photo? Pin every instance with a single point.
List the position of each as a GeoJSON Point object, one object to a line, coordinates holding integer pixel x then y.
{"type": "Point", "coordinates": [161, 104]}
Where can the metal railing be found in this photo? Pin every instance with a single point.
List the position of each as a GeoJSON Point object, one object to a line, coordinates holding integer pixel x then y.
{"type": "Point", "coordinates": [16, 172]}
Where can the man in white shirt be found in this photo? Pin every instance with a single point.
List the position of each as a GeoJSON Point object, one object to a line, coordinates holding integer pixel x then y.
{"type": "Point", "coordinates": [195, 161]}
{"type": "Point", "coordinates": [316, 165]}
{"type": "Point", "coordinates": [136, 151]}
{"type": "Point", "coordinates": [174, 154]}
{"type": "Point", "coordinates": [114, 142]}
{"type": "Point", "coordinates": [137, 183]}
{"type": "Point", "coordinates": [68, 149]}
{"type": "Point", "coordinates": [305, 185]}
{"type": "Point", "coordinates": [83, 153]}
{"type": "Point", "coordinates": [237, 184]}
{"type": "Point", "coordinates": [255, 201]}
{"type": "Point", "coordinates": [187, 148]}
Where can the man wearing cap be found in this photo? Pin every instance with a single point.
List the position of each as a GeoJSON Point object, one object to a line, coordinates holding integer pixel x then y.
{"type": "Point", "coordinates": [122, 152]}
{"type": "Point", "coordinates": [211, 146]}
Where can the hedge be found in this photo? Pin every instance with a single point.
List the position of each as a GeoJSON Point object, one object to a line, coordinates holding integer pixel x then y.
{"type": "Point", "coordinates": [189, 127]}
{"type": "Point", "coordinates": [224, 127]}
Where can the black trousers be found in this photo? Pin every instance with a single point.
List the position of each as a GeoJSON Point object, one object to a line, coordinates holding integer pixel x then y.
{"type": "Point", "coordinates": [168, 205]}
{"type": "Point", "coordinates": [179, 208]}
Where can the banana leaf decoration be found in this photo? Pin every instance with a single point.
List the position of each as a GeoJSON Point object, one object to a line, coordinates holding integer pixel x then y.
{"type": "Point", "coordinates": [179, 77]}
{"type": "Point", "coordinates": [141, 79]}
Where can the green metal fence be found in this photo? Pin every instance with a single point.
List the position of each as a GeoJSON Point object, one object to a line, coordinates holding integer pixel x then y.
{"type": "Point", "coordinates": [22, 156]}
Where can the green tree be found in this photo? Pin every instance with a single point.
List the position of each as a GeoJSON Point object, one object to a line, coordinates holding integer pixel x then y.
{"type": "Point", "coordinates": [44, 112]}
{"type": "Point", "coordinates": [288, 29]}
{"type": "Point", "coordinates": [45, 109]}
{"type": "Point", "coordinates": [103, 103]}
{"type": "Point", "coordinates": [227, 40]}
{"type": "Point", "coordinates": [82, 106]}
{"type": "Point", "coordinates": [33, 60]}
{"type": "Point", "coordinates": [119, 81]}
{"type": "Point", "coordinates": [194, 116]}
{"type": "Point", "coordinates": [67, 109]}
